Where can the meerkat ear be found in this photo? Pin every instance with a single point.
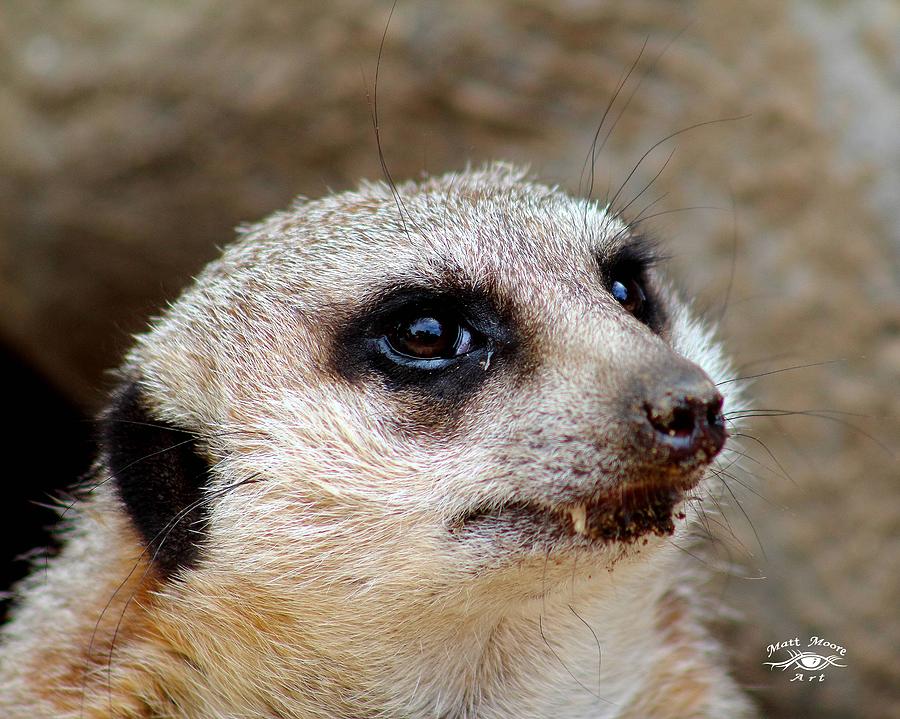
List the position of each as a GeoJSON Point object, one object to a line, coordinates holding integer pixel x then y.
{"type": "Point", "coordinates": [160, 477]}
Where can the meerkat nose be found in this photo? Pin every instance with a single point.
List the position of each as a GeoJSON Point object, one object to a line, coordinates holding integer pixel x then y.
{"type": "Point", "coordinates": [687, 420]}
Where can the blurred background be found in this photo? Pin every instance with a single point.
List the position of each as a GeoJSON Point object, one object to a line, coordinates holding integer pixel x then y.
{"type": "Point", "coordinates": [135, 136]}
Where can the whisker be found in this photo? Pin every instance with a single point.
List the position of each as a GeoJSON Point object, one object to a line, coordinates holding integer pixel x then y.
{"type": "Point", "coordinates": [751, 458]}
{"type": "Point", "coordinates": [746, 516]}
{"type": "Point", "coordinates": [593, 150]}
{"type": "Point", "coordinates": [599, 653]}
{"type": "Point", "coordinates": [779, 371]}
{"type": "Point", "coordinates": [376, 126]}
{"type": "Point", "coordinates": [727, 523]}
{"type": "Point", "coordinates": [646, 187]}
{"type": "Point", "coordinates": [819, 414]}
{"type": "Point", "coordinates": [561, 662]}
{"type": "Point", "coordinates": [632, 94]}
{"type": "Point", "coordinates": [764, 360]}
{"type": "Point", "coordinates": [668, 137]}
{"type": "Point", "coordinates": [690, 554]}
{"type": "Point", "coordinates": [772, 412]}
{"type": "Point", "coordinates": [744, 435]}
{"type": "Point", "coordinates": [675, 210]}
{"type": "Point", "coordinates": [734, 249]}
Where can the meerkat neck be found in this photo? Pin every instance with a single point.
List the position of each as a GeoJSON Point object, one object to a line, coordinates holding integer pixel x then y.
{"type": "Point", "coordinates": [114, 656]}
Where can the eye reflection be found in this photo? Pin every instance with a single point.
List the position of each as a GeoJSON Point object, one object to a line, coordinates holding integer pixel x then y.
{"type": "Point", "coordinates": [629, 294]}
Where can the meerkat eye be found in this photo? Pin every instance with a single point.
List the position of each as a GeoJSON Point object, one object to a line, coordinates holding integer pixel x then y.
{"type": "Point", "coordinates": [626, 273]}
{"type": "Point", "coordinates": [440, 342]}
{"type": "Point", "coordinates": [630, 294]}
{"type": "Point", "coordinates": [430, 335]}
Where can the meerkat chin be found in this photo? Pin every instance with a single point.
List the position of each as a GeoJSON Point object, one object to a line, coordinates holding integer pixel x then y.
{"type": "Point", "coordinates": [395, 457]}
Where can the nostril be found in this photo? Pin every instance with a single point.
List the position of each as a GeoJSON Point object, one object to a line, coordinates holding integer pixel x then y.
{"type": "Point", "coordinates": [672, 421]}
{"type": "Point", "coordinates": [682, 424]}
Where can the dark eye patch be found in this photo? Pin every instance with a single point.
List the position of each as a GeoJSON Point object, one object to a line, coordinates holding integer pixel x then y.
{"type": "Point", "coordinates": [440, 343]}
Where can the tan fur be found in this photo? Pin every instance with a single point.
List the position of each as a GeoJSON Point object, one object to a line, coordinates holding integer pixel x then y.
{"type": "Point", "coordinates": [328, 583]}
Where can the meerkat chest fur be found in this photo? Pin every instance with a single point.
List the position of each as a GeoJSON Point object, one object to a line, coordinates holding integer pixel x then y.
{"type": "Point", "coordinates": [419, 452]}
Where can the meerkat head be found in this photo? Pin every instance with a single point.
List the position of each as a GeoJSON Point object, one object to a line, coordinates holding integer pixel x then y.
{"type": "Point", "coordinates": [417, 398]}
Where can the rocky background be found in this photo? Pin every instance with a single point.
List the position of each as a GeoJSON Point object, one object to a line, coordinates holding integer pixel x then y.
{"type": "Point", "coordinates": [134, 136]}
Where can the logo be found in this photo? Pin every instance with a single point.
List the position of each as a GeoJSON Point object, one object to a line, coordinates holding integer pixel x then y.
{"type": "Point", "coordinates": [818, 655]}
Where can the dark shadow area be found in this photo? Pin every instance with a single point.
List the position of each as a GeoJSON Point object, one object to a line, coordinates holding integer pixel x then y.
{"type": "Point", "coordinates": [49, 447]}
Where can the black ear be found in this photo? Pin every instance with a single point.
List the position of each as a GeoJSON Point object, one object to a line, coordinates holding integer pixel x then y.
{"type": "Point", "coordinates": [160, 477]}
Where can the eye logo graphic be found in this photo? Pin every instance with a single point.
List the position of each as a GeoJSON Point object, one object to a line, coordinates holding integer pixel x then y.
{"type": "Point", "coordinates": [806, 660]}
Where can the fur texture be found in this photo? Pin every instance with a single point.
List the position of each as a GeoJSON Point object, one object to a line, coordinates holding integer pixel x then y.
{"type": "Point", "coordinates": [334, 575]}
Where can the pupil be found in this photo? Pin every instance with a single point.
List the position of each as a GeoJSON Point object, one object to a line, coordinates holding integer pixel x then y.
{"type": "Point", "coordinates": [620, 292]}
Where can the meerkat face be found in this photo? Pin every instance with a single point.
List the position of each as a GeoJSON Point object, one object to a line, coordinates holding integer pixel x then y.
{"type": "Point", "coordinates": [468, 381]}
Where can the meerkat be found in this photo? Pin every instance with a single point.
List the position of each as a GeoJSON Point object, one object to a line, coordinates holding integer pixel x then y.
{"type": "Point", "coordinates": [424, 451]}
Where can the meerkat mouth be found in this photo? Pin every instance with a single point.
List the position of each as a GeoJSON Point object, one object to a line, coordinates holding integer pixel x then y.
{"type": "Point", "coordinates": [621, 515]}
{"type": "Point", "coordinates": [624, 516]}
